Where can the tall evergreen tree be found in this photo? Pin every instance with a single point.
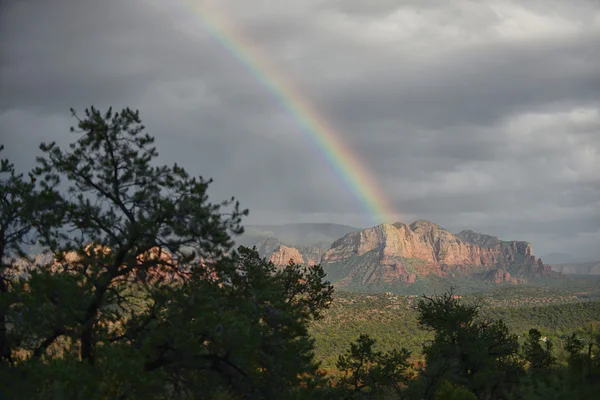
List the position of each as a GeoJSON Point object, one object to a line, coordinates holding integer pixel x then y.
{"type": "Point", "coordinates": [145, 297]}
{"type": "Point", "coordinates": [367, 373]}
{"type": "Point", "coordinates": [466, 350]}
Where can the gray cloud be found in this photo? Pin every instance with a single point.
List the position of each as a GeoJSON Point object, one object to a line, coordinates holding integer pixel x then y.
{"type": "Point", "coordinates": [481, 115]}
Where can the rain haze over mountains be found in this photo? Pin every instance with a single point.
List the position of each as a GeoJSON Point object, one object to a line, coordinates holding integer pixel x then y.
{"type": "Point", "coordinates": [473, 115]}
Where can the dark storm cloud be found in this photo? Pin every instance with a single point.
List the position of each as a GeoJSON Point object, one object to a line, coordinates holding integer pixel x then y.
{"type": "Point", "coordinates": [480, 115]}
{"type": "Point", "coordinates": [567, 199]}
{"type": "Point", "coordinates": [100, 52]}
{"type": "Point", "coordinates": [365, 8]}
{"type": "Point", "coordinates": [477, 86]}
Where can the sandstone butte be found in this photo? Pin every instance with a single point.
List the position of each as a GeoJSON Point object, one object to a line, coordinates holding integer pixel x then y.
{"type": "Point", "coordinates": [283, 254]}
{"type": "Point", "coordinates": [399, 252]}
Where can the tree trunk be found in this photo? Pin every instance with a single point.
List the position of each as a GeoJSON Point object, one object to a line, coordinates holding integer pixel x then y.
{"type": "Point", "coordinates": [87, 345]}
{"type": "Point", "coordinates": [5, 348]}
{"type": "Point", "coordinates": [87, 335]}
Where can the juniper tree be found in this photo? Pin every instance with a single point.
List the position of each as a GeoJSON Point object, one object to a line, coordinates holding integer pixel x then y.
{"type": "Point", "coordinates": [539, 356]}
{"type": "Point", "coordinates": [466, 350]}
{"type": "Point", "coordinates": [370, 373]}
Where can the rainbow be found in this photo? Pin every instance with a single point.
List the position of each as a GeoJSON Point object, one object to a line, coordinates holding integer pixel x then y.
{"type": "Point", "coordinates": [324, 137]}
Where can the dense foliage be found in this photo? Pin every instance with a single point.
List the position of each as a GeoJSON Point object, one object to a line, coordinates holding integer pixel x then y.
{"type": "Point", "coordinates": [143, 296]}
{"type": "Point", "coordinates": [393, 320]}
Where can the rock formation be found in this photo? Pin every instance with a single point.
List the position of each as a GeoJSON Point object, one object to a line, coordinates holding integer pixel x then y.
{"type": "Point", "coordinates": [283, 254]}
{"type": "Point", "coordinates": [402, 253]}
{"type": "Point", "coordinates": [279, 254]}
{"type": "Point", "coordinates": [501, 276]}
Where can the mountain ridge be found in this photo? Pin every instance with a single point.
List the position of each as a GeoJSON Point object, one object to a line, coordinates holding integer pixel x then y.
{"type": "Point", "coordinates": [401, 253]}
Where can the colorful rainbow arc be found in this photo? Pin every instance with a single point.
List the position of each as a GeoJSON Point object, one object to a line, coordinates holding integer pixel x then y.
{"type": "Point", "coordinates": [328, 141]}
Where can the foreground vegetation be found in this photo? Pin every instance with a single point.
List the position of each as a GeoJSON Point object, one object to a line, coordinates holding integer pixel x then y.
{"type": "Point", "coordinates": [145, 298]}
{"type": "Point", "coordinates": [393, 320]}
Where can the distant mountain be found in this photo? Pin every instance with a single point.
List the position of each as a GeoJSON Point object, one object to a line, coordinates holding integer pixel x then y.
{"type": "Point", "coordinates": [582, 268]}
{"type": "Point", "coordinates": [391, 254]}
{"type": "Point", "coordinates": [304, 243]}
{"type": "Point", "coordinates": [305, 234]}
{"type": "Point", "coordinates": [397, 254]}
{"type": "Point", "coordinates": [560, 258]}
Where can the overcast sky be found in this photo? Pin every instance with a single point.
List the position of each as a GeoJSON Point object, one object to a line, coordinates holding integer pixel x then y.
{"type": "Point", "coordinates": [472, 114]}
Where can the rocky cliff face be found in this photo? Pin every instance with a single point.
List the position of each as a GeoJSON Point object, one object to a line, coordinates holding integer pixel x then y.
{"type": "Point", "coordinates": [501, 276]}
{"type": "Point", "coordinates": [283, 254]}
{"type": "Point", "coordinates": [399, 252]}
{"type": "Point", "coordinates": [279, 254]}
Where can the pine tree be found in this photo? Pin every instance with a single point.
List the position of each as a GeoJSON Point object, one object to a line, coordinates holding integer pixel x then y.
{"type": "Point", "coordinates": [372, 373]}
{"type": "Point", "coordinates": [467, 351]}
{"type": "Point", "coordinates": [145, 296]}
